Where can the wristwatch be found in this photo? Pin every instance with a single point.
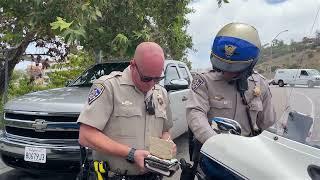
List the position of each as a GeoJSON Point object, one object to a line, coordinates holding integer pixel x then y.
{"type": "Point", "coordinates": [130, 157]}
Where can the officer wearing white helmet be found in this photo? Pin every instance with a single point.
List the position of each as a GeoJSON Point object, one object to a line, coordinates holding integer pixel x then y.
{"type": "Point", "coordinates": [232, 89]}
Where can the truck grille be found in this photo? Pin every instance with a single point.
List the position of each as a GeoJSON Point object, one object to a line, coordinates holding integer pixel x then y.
{"type": "Point", "coordinates": [49, 126]}
{"type": "Point", "coordinates": [42, 135]}
{"type": "Point", "coordinates": [27, 117]}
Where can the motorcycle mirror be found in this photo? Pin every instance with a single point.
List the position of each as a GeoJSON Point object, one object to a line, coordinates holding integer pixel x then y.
{"type": "Point", "coordinates": [227, 125]}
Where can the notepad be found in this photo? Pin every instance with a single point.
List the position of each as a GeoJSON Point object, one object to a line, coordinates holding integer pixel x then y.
{"type": "Point", "coordinates": [161, 148]}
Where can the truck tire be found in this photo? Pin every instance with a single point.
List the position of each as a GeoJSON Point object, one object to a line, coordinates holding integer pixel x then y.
{"type": "Point", "coordinates": [280, 83]}
{"type": "Point", "coordinates": [310, 84]}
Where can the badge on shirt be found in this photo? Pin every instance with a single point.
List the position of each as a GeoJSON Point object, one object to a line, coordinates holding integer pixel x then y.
{"type": "Point", "coordinates": [95, 92]}
{"type": "Point", "coordinates": [196, 83]}
{"type": "Point", "coordinates": [160, 99]}
{"type": "Point", "coordinates": [256, 91]}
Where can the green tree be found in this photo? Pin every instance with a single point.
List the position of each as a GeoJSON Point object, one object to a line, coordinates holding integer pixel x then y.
{"type": "Point", "coordinates": [27, 21]}
{"type": "Point", "coordinates": [69, 70]}
{"type": "Point", "coordinates": [111, 26]}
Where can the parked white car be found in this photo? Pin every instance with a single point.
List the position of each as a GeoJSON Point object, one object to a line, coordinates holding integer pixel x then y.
{"type": "Point", "coordinates": [309, 77]}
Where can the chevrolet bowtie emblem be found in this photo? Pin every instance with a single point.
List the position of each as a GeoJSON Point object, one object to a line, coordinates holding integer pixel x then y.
{"type": "Point", "coordinates": [39, 125]}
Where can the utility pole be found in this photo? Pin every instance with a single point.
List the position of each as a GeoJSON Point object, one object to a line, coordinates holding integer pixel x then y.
{"type": "Point", "coordinates": [98, 56]}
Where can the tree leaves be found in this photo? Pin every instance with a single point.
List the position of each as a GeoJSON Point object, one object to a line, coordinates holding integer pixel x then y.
{"type": "Point", "coordinates": [222, 1]}
{"type": "Point", "coordinates": [60, 23]}
{"type": "Point", "coordinates": [98, 13]}
{"type": "Point", "coordinates": [120, 44]}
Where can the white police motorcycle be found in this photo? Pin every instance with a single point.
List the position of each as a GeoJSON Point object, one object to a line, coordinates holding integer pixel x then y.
{"type": "Point", "coordinates": [266, 156]}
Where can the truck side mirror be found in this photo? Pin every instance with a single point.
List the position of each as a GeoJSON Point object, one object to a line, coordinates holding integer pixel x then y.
{"type": "Point", "coordinates": [177, 84]}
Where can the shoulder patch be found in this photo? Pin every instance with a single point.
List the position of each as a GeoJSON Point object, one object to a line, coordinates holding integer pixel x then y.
{"type": "Point", "coordinates": [197, 81]}
{"type": "Point", "coordinates": [95, 91]}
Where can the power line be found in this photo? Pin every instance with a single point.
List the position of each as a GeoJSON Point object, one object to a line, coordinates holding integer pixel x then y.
{"type": "Point", "coordinates": [315, 19]}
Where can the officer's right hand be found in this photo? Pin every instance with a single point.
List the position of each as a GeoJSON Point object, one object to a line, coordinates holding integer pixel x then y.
{"type": "Point", "coordinates": [139, 156]}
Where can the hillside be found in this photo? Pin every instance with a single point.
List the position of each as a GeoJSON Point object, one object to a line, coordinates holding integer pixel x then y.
{"type": "Point", "coordinates": [305, 59]}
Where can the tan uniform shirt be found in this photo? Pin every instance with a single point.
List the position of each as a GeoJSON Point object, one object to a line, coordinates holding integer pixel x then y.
{"type": "Point", "coordinates": [212, 96]}
{"type": "Point", "coordinates": [117, 108]}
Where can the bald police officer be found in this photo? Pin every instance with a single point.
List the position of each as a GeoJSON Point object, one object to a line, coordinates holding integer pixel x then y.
{"type": "Point", "coordinates": [232, 89]}
{"type": "Point", "coordinates": [124, 110]}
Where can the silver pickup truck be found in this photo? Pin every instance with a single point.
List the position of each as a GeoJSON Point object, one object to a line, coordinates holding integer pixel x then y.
{"type": "Point", "coordinates": [41, 133]}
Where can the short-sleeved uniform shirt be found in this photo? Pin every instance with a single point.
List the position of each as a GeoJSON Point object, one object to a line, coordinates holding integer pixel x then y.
{"type": "Point", "coordinates": [212, 96]}
{"type": "Point", "coordinates": [117, 108]}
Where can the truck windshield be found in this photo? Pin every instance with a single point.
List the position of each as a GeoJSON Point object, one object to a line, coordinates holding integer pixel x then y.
{"type": "Point", "coordinates": [97, 71]}
{"type": "Point", "coordinates": [314, 72]}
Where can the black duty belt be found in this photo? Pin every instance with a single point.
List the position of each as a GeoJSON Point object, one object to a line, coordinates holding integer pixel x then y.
{"type": "Point", "coordinates": [147, 176]}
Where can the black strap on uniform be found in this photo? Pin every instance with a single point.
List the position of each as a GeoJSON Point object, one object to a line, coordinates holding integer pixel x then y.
{"type": "Point", "coordinates": [242, 87]}
{"type": "Point", "coordinates": [244, 101]}
{"type": "Point", "coordinates": [190, 142]}
{"type": "Point", "coordinates": [84, 164]}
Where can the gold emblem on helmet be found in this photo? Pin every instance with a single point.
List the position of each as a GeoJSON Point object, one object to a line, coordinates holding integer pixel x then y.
{"type": "Point", "coordinates": [229, 50]}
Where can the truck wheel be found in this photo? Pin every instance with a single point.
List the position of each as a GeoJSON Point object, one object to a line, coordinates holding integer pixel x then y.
{"type": "Point", "coordinates": [281, 83]}
{"type": "Point", "coordinates": [310, 84]}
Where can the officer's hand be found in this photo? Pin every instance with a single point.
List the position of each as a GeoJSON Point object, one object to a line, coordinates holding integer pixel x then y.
{"type": "Point", "coordinates": [139, 156]}
{"type": "Point", "coordinates": [174, 148]}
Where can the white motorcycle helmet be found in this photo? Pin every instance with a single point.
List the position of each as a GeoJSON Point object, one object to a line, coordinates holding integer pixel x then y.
{"type": "Point", "coordinates": [236, 48]}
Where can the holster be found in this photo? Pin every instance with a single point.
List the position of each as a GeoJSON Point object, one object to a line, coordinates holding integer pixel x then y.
{"type": "Point", "coordinates": [92, 170]}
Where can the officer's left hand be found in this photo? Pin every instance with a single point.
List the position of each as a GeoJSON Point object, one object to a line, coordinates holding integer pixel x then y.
{"type": "Point", "coordinates": [139, 156]}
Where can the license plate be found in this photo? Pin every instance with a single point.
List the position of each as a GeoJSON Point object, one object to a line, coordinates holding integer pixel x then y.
{"type": "Point", "coordinates": [33, 154]}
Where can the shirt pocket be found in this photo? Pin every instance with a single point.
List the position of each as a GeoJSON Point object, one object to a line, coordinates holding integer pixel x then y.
{"type": "Point", "coordinates": [161, 114]}
{"type": "Point", "coordinates": [127, 122]}
{"type": "Point", "coordinates": [220, 108]}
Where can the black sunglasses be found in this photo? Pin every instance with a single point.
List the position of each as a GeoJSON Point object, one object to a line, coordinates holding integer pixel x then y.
{"type": "Point", "coordinates": [147, 78]}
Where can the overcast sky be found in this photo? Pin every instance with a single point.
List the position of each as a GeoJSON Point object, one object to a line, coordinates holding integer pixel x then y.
{"type": "Point", "coordinates": [269, 17]}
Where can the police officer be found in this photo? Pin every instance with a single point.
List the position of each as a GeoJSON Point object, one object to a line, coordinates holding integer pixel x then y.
{"type": "Point", "coordinates": [232, 89]}
{"type": "Point", "coordinates": [124, 109]}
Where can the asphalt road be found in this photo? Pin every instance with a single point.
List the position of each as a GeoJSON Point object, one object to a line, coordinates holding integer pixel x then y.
{"type": "Point", "coordinates": [301, 99]}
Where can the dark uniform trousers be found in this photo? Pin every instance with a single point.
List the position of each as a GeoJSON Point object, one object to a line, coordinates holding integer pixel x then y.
{"type": "Point", "coordinates": [148, 176]}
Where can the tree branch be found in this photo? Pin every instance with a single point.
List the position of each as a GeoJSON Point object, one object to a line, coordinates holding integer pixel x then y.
{"type": "Point", "coordinates": [34, 54]}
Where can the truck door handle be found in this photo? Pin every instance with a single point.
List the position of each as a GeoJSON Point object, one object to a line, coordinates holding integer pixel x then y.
{"type": "Point", "coordinates": [184, 98]}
